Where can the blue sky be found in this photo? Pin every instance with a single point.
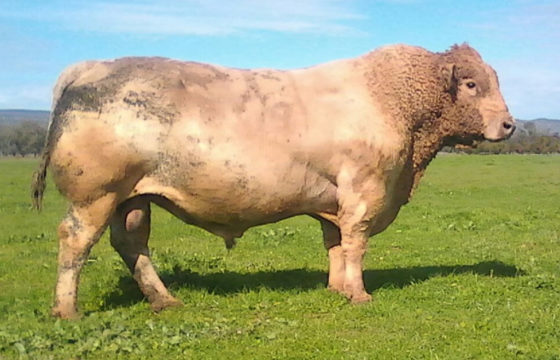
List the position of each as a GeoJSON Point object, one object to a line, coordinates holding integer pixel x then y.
{"type": "Point", "coordinates": [39, 38]}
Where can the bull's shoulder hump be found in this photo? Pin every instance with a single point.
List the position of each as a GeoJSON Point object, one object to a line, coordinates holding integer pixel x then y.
{"type": "Point", "coordinates": [397, 49]}
{"type": "Point", "coordinates": [338, 74]}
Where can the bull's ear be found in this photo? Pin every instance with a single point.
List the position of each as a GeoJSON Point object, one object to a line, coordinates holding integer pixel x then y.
{"type": "Point", "coordinates": [449, 75]}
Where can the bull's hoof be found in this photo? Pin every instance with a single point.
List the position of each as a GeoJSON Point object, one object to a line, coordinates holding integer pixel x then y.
{"type": "Point", "coordinates": [361, 299]}
{"type": "Point", "coordinates": [65, 313]}
{"type": "Point", "coordinates": [357, 296]}
{"type": "Point", "coordinates": [164, 303]}
{"type": "Point", "coordinates": [336, 289]}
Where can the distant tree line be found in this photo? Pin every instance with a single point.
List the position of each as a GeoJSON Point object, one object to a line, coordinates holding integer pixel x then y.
{"type": "Point", "coordinates": [22, 139]}
{"type": "Point", "coordinates": [526, 140]}
{"type": "Point", "coordinates": [523, 144]}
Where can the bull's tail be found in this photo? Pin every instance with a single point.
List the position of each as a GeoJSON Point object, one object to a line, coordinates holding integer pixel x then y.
{"type": "Point", "coordinates": [39, 180]}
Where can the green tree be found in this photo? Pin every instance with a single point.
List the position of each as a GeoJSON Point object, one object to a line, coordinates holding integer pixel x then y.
{"type": "Point", "coordinates": [30, 138]}
{"type": "Point", "coordinates": [22, 139]}
{"type": "Point", "coordinates": [7, 137]}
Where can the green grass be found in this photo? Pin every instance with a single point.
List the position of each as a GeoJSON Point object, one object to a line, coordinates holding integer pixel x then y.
{"type": "Point", "coordinates": [469, 270]}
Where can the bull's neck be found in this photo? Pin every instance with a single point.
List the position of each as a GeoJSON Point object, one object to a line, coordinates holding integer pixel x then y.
{"type": "Point", "coordinates": [410, 89]}
{"type": "Point", "coordinates": [427, 129]}
{"type": "Point", "coordinates": [424, 115]}
{"type": "Point", "coordinates": [427, 140]}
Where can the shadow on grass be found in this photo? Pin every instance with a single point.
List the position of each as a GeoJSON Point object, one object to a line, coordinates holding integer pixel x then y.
{"type": "Point", "coordinates": [228, 282]}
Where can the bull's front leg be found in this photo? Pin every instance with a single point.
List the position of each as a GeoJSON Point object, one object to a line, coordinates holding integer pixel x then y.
{"type": "Point", "coordinates": [353, 246]}
{"type": "Point", "coordinates": [344, 279]}
{"type": "Point", "coordinates": [359, 204]}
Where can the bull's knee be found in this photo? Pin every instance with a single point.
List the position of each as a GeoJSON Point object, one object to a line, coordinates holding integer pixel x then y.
{"type": "Point", "coordinates": [70, 226]}
{"type": "Point", "coordinates": [73, 240]}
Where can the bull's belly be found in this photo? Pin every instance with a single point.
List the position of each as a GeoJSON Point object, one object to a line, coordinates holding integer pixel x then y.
{"type": "Point", "coordinates": [227, 206]}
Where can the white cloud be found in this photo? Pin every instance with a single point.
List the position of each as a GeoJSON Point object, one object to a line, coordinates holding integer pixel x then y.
{"type": "Point", "coordinates": [196, 17]}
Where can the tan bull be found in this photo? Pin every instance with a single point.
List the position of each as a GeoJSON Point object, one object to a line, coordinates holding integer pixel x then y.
{"type": "Point", "coordinates": [226, 149]}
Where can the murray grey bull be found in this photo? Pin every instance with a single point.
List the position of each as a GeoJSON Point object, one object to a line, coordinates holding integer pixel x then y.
{"type": "Point", "coordinates": [227, 149]}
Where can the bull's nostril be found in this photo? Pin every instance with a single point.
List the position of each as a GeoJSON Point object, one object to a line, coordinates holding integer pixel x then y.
{"type": "Point", "coordinates": [507, 125]}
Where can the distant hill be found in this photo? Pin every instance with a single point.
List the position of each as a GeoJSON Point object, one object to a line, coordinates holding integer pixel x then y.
{"type": "Point", "coordinates": [541, 126]}
{"type": "Point", "coordinates": [10, 117]}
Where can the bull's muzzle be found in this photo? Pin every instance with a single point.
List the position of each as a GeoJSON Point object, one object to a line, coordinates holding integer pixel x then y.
{"type": "Point", "coordinates": [500, 129]}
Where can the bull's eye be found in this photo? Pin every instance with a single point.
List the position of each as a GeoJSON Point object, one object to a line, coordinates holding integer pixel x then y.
{"type": "Point", "coordinates": [471, 85]}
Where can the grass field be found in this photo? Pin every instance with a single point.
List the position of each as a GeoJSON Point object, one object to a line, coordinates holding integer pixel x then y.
{"type": "Point", "coordinates": [469, 270]}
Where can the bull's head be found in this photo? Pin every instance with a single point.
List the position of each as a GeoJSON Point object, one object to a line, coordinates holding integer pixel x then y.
{"type": "Point", "coordinates": [475, 94]}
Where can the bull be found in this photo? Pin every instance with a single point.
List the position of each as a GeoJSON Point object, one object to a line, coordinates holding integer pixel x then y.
{"type": "Point", "coordinates": [224, 149]}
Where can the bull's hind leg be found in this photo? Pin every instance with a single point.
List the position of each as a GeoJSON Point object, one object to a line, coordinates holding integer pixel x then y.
{"type": "Point", "coordinates": [77, 233]}
{"type": "Point", "coordinates": [130, 230]}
